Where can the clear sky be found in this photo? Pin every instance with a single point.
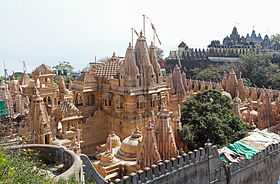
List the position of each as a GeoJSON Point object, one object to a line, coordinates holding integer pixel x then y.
{"type": "Point", "coordinates": [48, 31]}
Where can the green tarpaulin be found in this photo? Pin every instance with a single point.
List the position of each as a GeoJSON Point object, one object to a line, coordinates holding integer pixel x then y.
{"type": "Point", "coordinates": [243, 149]}
{"type": "Point", "coordinates": [3, 109]}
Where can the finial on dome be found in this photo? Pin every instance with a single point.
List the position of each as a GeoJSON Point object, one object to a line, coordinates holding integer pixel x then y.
{"type": "Point", "coordinates": [152, 43]}
{"type": "Point", "coordinates": [114, 54]}
{"type": "Point", "coordinates": [232, 71]}
{"type": "Point", "coordinates": [129, 45]}
{"type": "Point", "coordinates": [141, 34]}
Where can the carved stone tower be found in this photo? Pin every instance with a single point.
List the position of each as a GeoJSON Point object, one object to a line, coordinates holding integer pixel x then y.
{"type": "Point", "coordinates": [165, 136]}
{"type": "Point", "coordinates": [39, 121]}
{"type": "Point", "coordinates": [148, 152]}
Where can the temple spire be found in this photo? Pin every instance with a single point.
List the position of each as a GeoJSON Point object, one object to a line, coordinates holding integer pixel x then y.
{"type": "Point", "coordinates": [148, 152]}
{"type": "Point", "coordinates": [177, 80]}
{"type": "Point", "coordinates": [154, 62]}
{"type": "Point", "coordinates": [165, 137]}
{"type": "Point", "coordinates": [146, 70]}
{"type": "Point", "coordinates": [129, 71]}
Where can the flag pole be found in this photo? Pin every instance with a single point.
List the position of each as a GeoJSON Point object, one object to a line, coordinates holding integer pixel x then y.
{"type": "Point", "coordinates": [144, 25]}
{"type": "Point", "coordinates": [132, 36]}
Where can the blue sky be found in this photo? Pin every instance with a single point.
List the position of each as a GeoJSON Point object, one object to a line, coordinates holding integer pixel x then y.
{"type": "Point", "coordinates": [48, 31]}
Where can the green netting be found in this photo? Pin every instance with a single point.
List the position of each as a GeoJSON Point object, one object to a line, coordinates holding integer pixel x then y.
{"type": "Point", "coordinates": [243, 149]}
{"type": "Point", "coordinates": [3, 109]}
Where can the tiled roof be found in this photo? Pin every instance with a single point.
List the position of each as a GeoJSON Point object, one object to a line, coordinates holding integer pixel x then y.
{"type": "Point", "coordinates": [109, 68]}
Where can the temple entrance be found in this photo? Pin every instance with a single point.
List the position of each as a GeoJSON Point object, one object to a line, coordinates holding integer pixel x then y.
{"type": "Point", "coordinates": [47, 139]}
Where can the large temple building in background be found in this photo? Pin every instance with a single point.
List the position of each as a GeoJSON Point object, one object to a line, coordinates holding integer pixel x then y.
{"type": "Point", "coordinates": [235, 40]}
{"type": "Point", "coordinates": [227, 51]}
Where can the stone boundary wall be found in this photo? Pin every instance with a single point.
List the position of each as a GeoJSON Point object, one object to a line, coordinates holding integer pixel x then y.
{"type": "Point", "coordinates": [275, 92]}
{"type": "Point", "coordinates": [71, 161]}
{"type": "Point", "coordinates": [199, 54]}
{"type": "Point", "coordinates": [189, 168]}
{"type": "Point", "coordinates": [91, 173]}
{"type": "Point", "coordinates": [194, 168]}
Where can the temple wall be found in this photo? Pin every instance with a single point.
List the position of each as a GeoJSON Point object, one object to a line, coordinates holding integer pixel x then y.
{"type": "Point", "coordinates": [95, 131]}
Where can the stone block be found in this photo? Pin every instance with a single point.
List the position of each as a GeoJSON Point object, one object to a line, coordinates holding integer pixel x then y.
{"type": "Point", "coordinates": [141, 176]}
{"type": "Point", "coordinates": [162, 169]}
{"type": "Point", "coordinates": [191, 156]}
{"type": "Point", "coordinates": [196, 155]}
{"type": "Point", "coordinates": [133, 178]}
{"type": "Point", "coordinates": [168, 165]}
{"type": "Point", "coordinates": [148, 173]}
{"type": "Point", "coordinates": [202, 153]}
{"type": "Point", "coordinates": [126, 180]}
{"type": "Point", "coordinates": [155, 170]}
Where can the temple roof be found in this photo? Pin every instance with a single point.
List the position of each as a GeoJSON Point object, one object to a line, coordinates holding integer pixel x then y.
{"type": "Point", "coordinates": [42, 69]}
{"type": "Point", "coordinates": [129, 146]}
{"type": "Point", "coordinates": [109, 68]}
{"type": "Point", "coordinates": [154, 59]}
{"type": "Point", "coordinates": [69, 109]}
{"type": "Point", "coordinates": [25, 79]}
{"type": "Point", "coordinates": [182, 45]}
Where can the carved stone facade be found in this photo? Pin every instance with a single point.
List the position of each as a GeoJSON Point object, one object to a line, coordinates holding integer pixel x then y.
{"type": "Point", "coordinates": [156, 142]}
{"type": "Point", "coordinates": [120, 94]}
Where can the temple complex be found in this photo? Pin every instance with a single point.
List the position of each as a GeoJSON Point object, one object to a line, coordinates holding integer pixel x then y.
{"type": "Point", "coordinates": [125, 112]}
{"type": "Point", "coordinates": [258, 107]}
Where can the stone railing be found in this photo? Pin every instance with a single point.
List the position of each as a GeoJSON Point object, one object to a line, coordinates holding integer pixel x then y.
{"type": "Point", "coordinates": [71, 161]}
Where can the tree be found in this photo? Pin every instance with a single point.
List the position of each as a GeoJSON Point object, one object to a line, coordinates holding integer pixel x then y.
{"type": "Point", "coordinates": [258, 69]}
{"type": "Point", "coordinates": [275, 82]}
{"type": "Point", "coordinates": [63, 68]}
{"type": "Point", "coordinates": [208, 115]}
{"type": "Point", "coordinates": [275, 38]}
{"type": "Point", "coordinates": [159, 53]}
{"type": "Point", "coordinates": [208, 73]}
{"type": "Point", "coordinates": [211, 72]}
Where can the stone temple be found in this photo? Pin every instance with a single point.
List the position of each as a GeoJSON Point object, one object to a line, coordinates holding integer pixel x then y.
{"type": "Point", "coordinates": [253, 40]}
